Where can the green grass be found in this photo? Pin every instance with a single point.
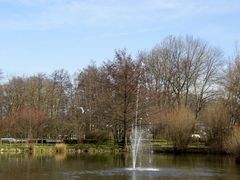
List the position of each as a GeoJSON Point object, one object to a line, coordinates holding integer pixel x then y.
{"type": "Point", "coordinates": [169, 144]}
{"type": "Point", "coordinates": [95, 146]}
{"type": "Point", "coordinates": [11, 146]}
{"type": "Point", "coordinates": [50, 147]}
{"type": "Point", "coordinates": [98, 147]}
{"type": "Point", "coordinates": [162, 143]}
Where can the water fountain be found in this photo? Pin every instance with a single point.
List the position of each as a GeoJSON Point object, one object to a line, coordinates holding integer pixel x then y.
{"type": "Point", "coordinates": [139, 172]}
{"type": "Point", "coordinates": [136, 136]}
{"type": "Point", "coordinates": [137, 147]}
{"type": "Point", "coordinates": [135, 143]}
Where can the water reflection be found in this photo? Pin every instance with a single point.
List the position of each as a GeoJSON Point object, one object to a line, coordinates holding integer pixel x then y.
{"type": "Point", "coordinates": [60, 156]}
{"type": "Point", "coordinates": [134, 175]}
{"type": "Point", "coordinates": [116, 166]}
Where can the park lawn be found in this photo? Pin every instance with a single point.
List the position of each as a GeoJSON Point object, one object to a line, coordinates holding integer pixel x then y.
{"type": "Point", "coordinates": [169, 144]}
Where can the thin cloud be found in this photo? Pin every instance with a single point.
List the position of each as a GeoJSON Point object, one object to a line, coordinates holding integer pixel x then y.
{"type": "Point", "coordinates": [51, 14]}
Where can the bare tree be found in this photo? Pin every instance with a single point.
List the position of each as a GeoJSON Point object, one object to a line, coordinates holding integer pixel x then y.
{"type": "Point", "coordinates": [124, 77]}
{"type": "Point", "coordinates": [27, 123]}
{"type": "Point", "coordinates": [232, 89]}
{"type": "Point", "coordinates": [59, 90]}
{"type": "Point", "coordinates": [90, 98]}
{"type": "Point", "coordinates": [183, 71]}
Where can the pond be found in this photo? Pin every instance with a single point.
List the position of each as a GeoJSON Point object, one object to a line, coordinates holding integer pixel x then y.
{"type": "Point", "coordinates": [117, 167]}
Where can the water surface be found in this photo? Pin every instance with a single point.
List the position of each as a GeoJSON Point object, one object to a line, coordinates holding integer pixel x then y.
{"type": "Point", "coordinates": [117, 167]}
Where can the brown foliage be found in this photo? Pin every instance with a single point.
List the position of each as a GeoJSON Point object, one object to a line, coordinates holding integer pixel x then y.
{"type": "Point", "coordinates": [217, 120]}
{"type": "Point", "coordinates": [232, 142]}
{"type": "Point", "coordinates": [180, 125]}
{"type": "Point", "coordinates": [232, 87]}
{"type": "Point", "coordinates": [27, 123]}
{"type": "Point", "coordinates": [61, 148]}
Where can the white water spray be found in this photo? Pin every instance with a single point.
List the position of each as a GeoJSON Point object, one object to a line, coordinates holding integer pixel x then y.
{"type": "Point", "coordinates": [136, 136]}
{"type": "Point", "coordinates": [135, 143]}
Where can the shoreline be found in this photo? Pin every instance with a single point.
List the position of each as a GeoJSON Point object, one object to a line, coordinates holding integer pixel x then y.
{"type": "Point", "coordinates": [97, 148]}
{"type": "Point", "coordinates": [51, 149]}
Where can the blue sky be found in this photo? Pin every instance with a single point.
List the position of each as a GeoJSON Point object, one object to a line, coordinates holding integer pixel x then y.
{"type": "Point", "coordinates": [45, 35]}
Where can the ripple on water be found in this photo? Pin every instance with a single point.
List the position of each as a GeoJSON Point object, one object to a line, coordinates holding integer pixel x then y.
{"type": "Point", "coordinates": [167, 172]}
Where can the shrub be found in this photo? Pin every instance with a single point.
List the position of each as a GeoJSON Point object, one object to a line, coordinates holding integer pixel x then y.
{"type": "Point", "coordinates": [180, 125]}
{"type": "Point", "coordinates": [61, 148]}
{"type": "Point", "coordinates": [216, 118]}
{"type": "Point", "coordinates": [232, 142]}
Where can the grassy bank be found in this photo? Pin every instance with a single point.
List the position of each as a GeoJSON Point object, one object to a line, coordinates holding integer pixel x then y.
{"type": "Point", "coordinates": [68, 148]}
{"type": "Point", "coordinates": [194, 147]}
{"type": "Point", "coordinates": [157, 146]}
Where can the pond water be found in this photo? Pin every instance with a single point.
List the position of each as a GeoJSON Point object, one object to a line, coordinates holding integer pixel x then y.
{"type": "Point", "coordinates": [117, 167]}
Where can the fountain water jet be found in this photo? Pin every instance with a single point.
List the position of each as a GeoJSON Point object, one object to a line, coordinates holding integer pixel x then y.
{"type": "Point", "coordinates": [135, 143]}
{"type": "Point", "coordinates": [136, 136]}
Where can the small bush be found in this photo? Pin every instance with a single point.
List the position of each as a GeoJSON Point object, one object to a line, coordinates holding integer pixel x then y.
{"type": "Point", "coordinates": [61, 148]}
{"type": "Point", "coordinates": [217, 120]}
{"type": "Point", "coordinates": [180, 125]}
{"type": "Point", "coordinates": [232, 143]}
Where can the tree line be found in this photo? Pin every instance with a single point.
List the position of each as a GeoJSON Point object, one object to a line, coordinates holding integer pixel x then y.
{"type": "Point", "coordinates": [180, 87]}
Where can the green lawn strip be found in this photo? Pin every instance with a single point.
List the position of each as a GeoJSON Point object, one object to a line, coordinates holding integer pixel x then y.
{"type": "Point", "coordinates": [169, 144]}
{"type": "Point", "coordinates": [12, 147]}
{"type": "Point", "coordinates": [94, 146]}
{"type": "Point", "coordinates": [50, 147]}
{"type": "Point", "coordinates": [163, 144]}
